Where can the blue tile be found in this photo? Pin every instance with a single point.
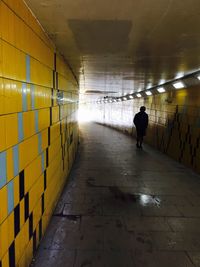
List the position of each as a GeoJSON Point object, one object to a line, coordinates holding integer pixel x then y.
{"type": "Point", "coordinates": [32, 97]}
{"type": "Point", "coordinates": [20, 127]}
{"type": "Point", "coordinates": [36, 121]}
{"type": "Point", "coordinates": [10, 188]}
{"type": "Point", "coordinates": [24, 97]}
{"type": "Point", "coordinates": [39, 143]}
{"type": "Point", "coordinates": [3, 169]}
{"type": "Point", "coordinates": [16, 159]}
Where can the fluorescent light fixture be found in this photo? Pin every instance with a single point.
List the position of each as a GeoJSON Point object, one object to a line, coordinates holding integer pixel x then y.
{"type": "Point", "coordinates": [161, 89]}
{"type": "Point", "coordinates": [178, 85]}
{"type": "Point", "coordinates": [148, 93]}
{"type": "Point", "coordinates": [198, 77]}
{"type": "Point", "coordinates": [115, 100]}
{"type": "Point", "coordinates": [130, 96]}
{"type": "Point", "coordinates": [139, 95]}
{"type": "Point", "coordinates": [180, 74]}
{"type": "Point", "coordinates": [124, 98]}
{"type": "Point", "coordinates": [162, 81]}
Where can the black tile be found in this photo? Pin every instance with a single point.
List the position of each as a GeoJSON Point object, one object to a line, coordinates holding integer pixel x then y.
{"type": "Point", "coordinates": [12, 255]}
{"type": "Point", "coordinates": [21, 185]}
{"type": "Point", "coordinates": [45, 180]}
{"type": "Point", "coordinates": [17, 220]}
{"type": "Point", "coordinates": [30, 226]}
{"type": "Point", "coordinates": [42, 204]}
{"type": "Point", "coordinates": [40, 229]}
{"type": "Point", "coordinates": [34, 242]}
{"type": "Point", "coordinates": [26, 209]}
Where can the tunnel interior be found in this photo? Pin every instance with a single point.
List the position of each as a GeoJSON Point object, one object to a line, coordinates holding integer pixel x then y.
{"type": "Point", "coordinates": [73, 74]}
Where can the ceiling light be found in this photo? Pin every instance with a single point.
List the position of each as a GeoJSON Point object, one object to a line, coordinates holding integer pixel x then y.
{"type": "Point", "coordinates": [148, 93]}
{"type": "Point", "coordinates": [180, 74]}
{"type": "Point", "coordinates": [198, 77]}
{"type": "Point", "coordinates": [178, 85]}
{"type": "Point", "coordinates": [119, 99]}
{"type": "Point", "coordinates": [139, 95]}
{"type": "Point", "coordinates": [124, 98]}
{"type": "Point", "coordinates": [130, 96]}
{"type": "Point", "coordinates": [161, 90]}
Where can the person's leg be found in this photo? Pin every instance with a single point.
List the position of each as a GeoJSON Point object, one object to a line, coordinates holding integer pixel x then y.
{"type": "Point", "coordinates": [141, 141]}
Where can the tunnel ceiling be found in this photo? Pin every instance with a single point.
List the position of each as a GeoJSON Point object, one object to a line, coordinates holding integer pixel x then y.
{"type": "Point", "coordinates": [117, 47]}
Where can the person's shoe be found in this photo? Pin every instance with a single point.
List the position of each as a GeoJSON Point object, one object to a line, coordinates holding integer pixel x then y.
{"type": "Point", "coordinates": [137, 145]}
{"type": "Point", "coordinates": [140, 146]}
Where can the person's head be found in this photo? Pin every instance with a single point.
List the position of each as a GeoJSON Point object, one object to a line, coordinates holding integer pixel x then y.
{"type": "Point", "coordinates": [142, 109]}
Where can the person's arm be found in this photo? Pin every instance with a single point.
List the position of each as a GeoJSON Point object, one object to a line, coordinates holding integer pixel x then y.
{"type": "Point", "coordinates": [147, 121]}
{"type": "Point", "coordinates": [135, 120]}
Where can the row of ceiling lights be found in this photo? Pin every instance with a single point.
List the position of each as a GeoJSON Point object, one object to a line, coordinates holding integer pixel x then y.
{"type": "Point", "coordinates": [177, 84]}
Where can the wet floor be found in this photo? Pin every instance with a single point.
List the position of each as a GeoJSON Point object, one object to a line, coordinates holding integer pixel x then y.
{"type": "Point", "coordinates": [124, 207]}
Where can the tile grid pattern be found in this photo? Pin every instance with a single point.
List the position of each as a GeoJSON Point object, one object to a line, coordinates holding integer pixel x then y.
{"type": "Point", "coordinates": [123, 207]}
{"type": "Point", "coordinates": [38, 134]}
{"type": "Point", "coordinates": [173, 122]}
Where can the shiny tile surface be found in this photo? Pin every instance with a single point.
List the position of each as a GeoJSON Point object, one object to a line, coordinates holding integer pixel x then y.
{"type": "Point", "coordinates": [123, 207]}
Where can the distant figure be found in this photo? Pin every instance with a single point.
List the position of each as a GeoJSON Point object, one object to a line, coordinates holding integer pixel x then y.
{"type": "Point", "coordinates": [141, 122]}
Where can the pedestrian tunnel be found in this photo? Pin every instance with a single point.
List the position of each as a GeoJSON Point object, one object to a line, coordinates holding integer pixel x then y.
{"type": "Point", "coordinates": [66, 65]}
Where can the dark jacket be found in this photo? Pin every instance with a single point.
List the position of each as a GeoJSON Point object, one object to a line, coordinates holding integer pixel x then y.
{"type": "Point", "coordinates": [141, 120]}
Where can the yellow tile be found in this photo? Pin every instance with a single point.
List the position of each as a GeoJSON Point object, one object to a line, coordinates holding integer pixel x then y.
{"type": "Point", "coordinates": [44, 118]}
{"type": "Point", "coordinates": [16, 191]}
{"type": "Point", "coordinates": [28, 150]}
{"type": "Point", "coordinates": [55, 114]}
{"type": "Point", "coordinates": [44, 139]}
{"type": "Point", "coordinates": [4, 204]}
{"type": "Point", "coordinates": [4, 236]}
{"type": "Point", "coordinates": [32, 173]}
{"type": "Point", "coordinates": [2, 133]}
{"type": "Point", "coordinates": [13, 96]}
{"type": "Point", "coordinates": [11, 130]}
{"type": "Point", "coordinates": [22, 208]}
{"type": "Point", "coordinates": [2, 97]}
{"type": "Point", "coordinates": [9, 61]}
{"type": "Point", "coordinates": [29, 252]}
{"type": "Point", "coordinates": [10, 170]}
{"type": "Point", "coordinates": [20, 66]}
{"type": "Point", "coordinates": [29, 123]}
{"type": "Point", "coordinates": [10, 228]}
{"type": "Point", "coordinates": [5, 260]}
{"type": "Point", "coordinates": [22, 261]}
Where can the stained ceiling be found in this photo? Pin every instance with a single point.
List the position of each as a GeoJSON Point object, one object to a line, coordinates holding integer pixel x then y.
{"type": "Point", "coordinates": [116, 47]}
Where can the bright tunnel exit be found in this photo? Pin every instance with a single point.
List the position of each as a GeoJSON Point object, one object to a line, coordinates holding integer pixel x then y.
{"type": "Point", "coordinates": [85, 114]}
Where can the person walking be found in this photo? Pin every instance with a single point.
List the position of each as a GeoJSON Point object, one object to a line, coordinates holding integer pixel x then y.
{"type": "Point", "coordinates": [141, 120]}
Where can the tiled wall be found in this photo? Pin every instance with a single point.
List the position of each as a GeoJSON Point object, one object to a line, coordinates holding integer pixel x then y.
{"type": "Point", "coordinates": [38, 131]}
{"type": "Point", "coordinates": [174, 125]}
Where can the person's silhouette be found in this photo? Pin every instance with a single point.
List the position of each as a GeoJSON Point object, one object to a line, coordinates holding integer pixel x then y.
{"type": "Point", "coordinates": [141, 122]}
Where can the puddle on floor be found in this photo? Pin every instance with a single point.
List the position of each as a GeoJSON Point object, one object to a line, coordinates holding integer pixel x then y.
{"type": "Point", "coordinates": [141, 199]}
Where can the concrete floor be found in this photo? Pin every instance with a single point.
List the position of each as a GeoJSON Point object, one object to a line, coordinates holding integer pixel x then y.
{"type": "Point", "coordinates": [124, 207]}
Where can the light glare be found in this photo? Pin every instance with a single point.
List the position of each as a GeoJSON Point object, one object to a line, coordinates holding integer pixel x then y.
{"type": "Point", "coordinates": [148, 93]}
{"type": "Point", "coordinates": [178, 85]}
{"type": "Point", "coordinates": [161, 90]}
